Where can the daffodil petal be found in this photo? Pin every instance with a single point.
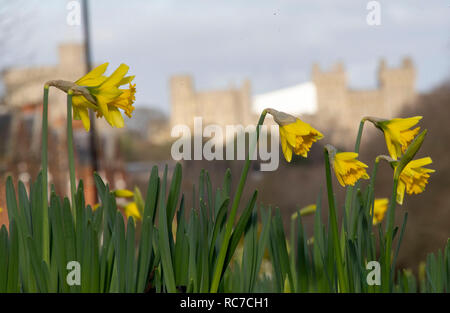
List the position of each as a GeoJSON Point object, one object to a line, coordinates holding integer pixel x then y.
{"type": "Point", "coordinates": [116, 117]}
{"type": "Point", "coordinates": [94, 77]}
{"type": "Point", "coordinates": [84, 115]}
{"type": "Point", "coordinates": [116, 77]}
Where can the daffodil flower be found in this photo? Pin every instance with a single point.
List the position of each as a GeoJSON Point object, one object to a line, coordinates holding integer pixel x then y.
{"type": "Point", "coordinates": [348, 169]}
{"type": "Point", "coordinates": [131, 209]}
{"type": "Point", "coordinates": [123, 193]}
{"type": "Point", "coordinates": [379, 209]}
{"type": "Point", "coordinates": [398, 133]}
{"type": "Point", "coordinates": [413, 178]}
{"type": "Point", "coordinates": [296, 136]}
{"type": "Point", "coordinates": [102, 94]}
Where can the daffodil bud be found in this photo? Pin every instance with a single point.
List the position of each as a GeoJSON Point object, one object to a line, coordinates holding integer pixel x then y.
{"type": "Point", "coordinates": [422, 271]}
{"type": "Point", "coordinates": [307, 210]}
{"type": "Point", "coordinates": [123, 193]}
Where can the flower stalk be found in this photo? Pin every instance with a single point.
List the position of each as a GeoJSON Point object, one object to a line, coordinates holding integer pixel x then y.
{"type": "Point", "coordinates": [70, 152]}
{"type": "Point", "coordinates": [406, 158]}
{"type": "Point", "coordinates": [349, 194]}
{"type": "Point", "coordinates": [44, 165]}
{"type": "Point", "coordinates": [229, 226]}
{"type": "Point", "coordinates": [333, 221]}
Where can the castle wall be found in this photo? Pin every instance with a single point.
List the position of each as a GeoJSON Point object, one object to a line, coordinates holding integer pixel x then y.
{"type": "Point", "coordinates": [341, 109]}
{"type": "Point", "coordinates": [220, 107]}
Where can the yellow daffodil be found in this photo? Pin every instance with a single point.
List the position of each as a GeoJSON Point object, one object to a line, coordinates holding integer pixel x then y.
{"type": "Point", "coordinates": [348, 169]}
{"type": "Point", "coordinates": [295, 135]}
{"type": "Point", "coordinates": [109, 98]}
{"type": "Point", "coordinates": [413, 178]}
{"type": "Point", "coordinates": [131, 209]}
{"type": "Point", "coordinates": [101, 94]}
{"type": "Point", "coordinates": [379, 209]}
{"type": "Point", "coordinates": [398, 133]}
{"type": "Point", "coordinates": [123, 193]}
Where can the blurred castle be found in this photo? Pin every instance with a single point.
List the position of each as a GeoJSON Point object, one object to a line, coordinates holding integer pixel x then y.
{"type": "Point", "coordinates": [326, 101]}
{"type": "Point", "coordinates": [221, 107]}
{"type": "Point", "coordinates": [20, 128]}
{"type": "Point", "coordinates": [339, 108]}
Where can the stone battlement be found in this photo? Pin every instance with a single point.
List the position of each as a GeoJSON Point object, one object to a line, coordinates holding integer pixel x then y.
{"type": "Point", "coordinates": [339, 108]}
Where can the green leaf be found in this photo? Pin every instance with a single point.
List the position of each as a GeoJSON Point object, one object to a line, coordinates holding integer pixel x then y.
{"type": "Point", "coordinates": [239, 230]}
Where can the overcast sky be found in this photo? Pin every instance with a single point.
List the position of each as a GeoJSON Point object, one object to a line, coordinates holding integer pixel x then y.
{"type": "Point", "coordinates": [220, 43]}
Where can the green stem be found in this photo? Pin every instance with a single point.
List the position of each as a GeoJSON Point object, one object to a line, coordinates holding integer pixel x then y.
{"type": "Point", "coordinates": [334, 225]}
{"type": "Point", "coordinates": [369, 210]}
{"type": "Point", "coordinates": [230, 222]}
{"type": "Point", "coordinates": [70, 152]}
{"type": "Point", "coordinates": [358, 138]}
{"type": "Point", "coordinates": [44, 160]}
{"type": "Point", "coordinates": [370, 198]}
{"type": "Point", "coordinates": [349, 193]}
{"type": "Point", "coordinates": [387, 286]}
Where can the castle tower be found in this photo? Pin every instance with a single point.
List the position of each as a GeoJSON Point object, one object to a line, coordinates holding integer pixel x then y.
{"type": "Point", "coordinates": [397, 85]}
{"type": "Point", "coordinates": [245, 95]}
{"type": "Point", "coordinates": [182, 96]}
{"type": "Point", "coordinates": [331, 89]}
{"type": "Point", "coordinates": [71, 55]}
{"type": "Point", "coordinates": [221, 107]}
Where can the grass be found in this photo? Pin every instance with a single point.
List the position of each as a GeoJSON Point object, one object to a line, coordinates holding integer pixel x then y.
{"type": "Point", "coordinates": [175, 249]}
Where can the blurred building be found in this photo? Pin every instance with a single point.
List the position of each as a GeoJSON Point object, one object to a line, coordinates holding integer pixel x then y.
{"type": "Point", "coordinates": [20, 128]}
{"type": "Point", "coordinates": [340, 108]}
{"type": "Point", "coordinates": [150, 124]}
{"type": "Point", "coordinates": [326, 101]}
{"type": "Point", "coordinates": [222, 107]}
